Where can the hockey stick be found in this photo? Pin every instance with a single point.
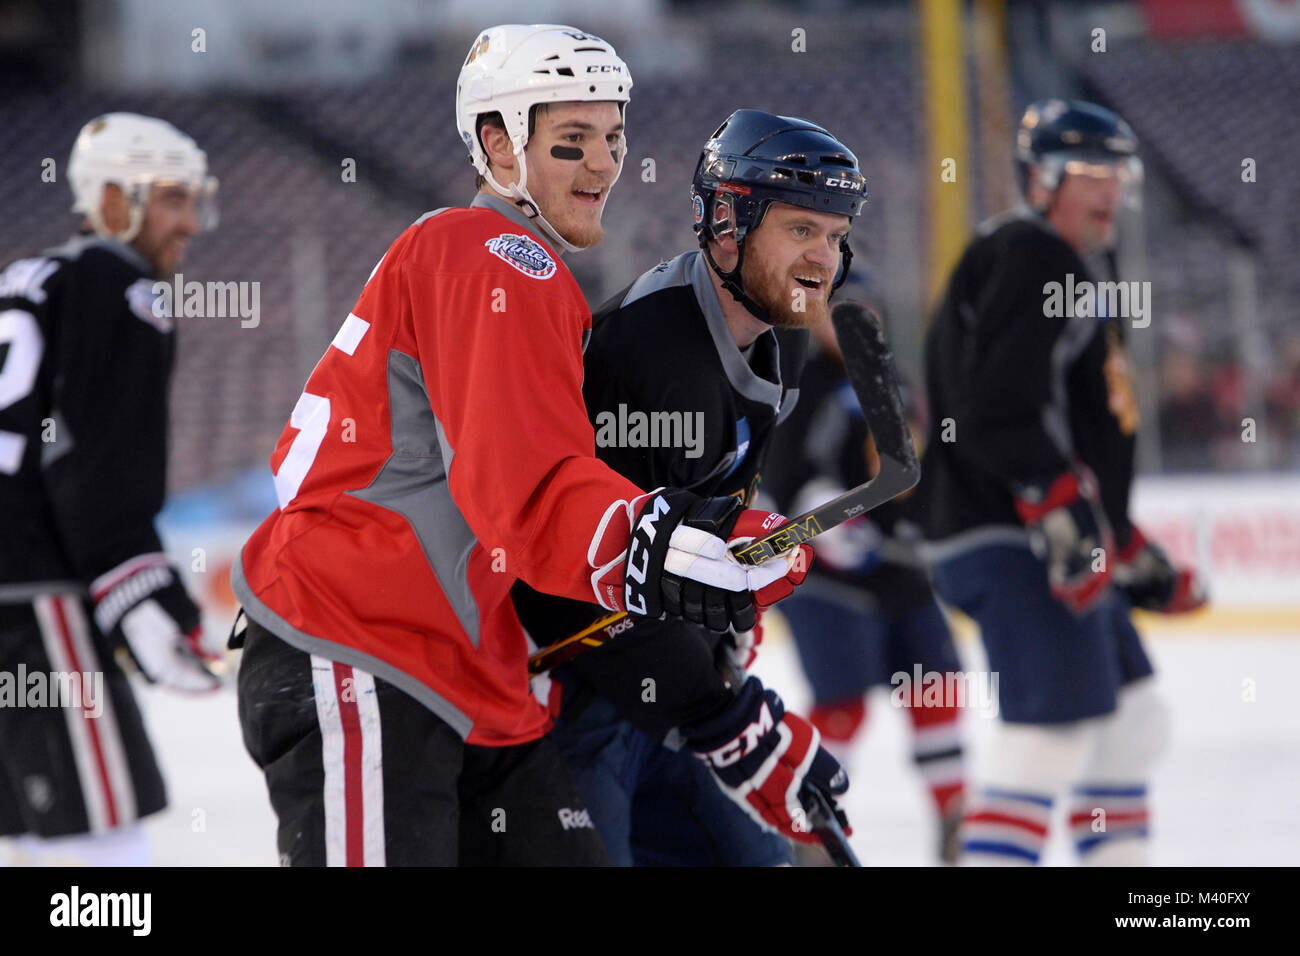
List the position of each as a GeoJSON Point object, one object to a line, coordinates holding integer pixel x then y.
{"type": "Point", "coordinates": [824, 823]}
{"type": "Point", "coordinates": [870, 367]}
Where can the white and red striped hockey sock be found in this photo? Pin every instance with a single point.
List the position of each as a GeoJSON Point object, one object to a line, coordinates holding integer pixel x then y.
{"type": "Point", "coordinates": [1110, 824]}
{"type": "Point", "coordinates": [937, 750]}
{"type": "Point", "coordinates": [1005, 827]}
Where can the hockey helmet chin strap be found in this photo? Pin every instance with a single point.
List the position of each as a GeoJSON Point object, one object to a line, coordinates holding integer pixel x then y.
{"type": "Point", "coordinates": [519, 195]}
{"type": "Point", "coordinates": [732, 282]}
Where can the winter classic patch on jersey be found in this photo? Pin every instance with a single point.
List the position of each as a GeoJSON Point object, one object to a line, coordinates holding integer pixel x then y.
{"type": "Point", "coordinates": [149, 305]}
{"type": "Point", "coordinates": [524, 253]}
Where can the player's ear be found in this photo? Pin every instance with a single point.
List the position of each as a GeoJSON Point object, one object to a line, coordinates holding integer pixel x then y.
{"type": "Point", "coordinates": [496, 143]}
{"type": "Point", "coordinates": [113, 208]}
{"type": "Point", "coordinates": [725, 251]}
{"type": "Point", "coordinates": [1038, 195]}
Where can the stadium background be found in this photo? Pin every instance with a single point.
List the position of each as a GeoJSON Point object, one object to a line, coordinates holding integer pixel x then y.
{"type": "Point", "coordinates": [286, 98]}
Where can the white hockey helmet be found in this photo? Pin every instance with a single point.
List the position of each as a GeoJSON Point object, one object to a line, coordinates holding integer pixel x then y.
{"type": "Point", "coordinates": [135, 152]}
{"type": "Point", "coordinates": [514, 67]}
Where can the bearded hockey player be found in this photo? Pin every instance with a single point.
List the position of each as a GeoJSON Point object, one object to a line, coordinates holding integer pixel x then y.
{"type": "Point", "coordinates": [714, 338]}
{"type": "Point", "coordinates": [1025, 497]}
{"type": "Point", "coordinates": [86, 352]}
{"type": "Point", "coordinates": [440, 452]}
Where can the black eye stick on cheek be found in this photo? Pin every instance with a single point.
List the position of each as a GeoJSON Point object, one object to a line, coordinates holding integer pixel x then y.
{"type": "Point", "coordinates": [566, 152]}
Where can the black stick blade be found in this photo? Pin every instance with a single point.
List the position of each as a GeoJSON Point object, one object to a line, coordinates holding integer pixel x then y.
{"type": "Point", "coordinates": [870, 366]}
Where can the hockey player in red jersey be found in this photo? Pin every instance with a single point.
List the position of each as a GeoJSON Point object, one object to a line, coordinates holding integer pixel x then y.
{"type": "Point", "coordinates": [86, 352]}
{"type": "Point", "coordinates": [439, 452]}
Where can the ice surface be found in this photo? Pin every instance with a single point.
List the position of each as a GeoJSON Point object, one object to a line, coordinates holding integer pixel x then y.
{"type": "Point", "coordinates": [1226, 793]}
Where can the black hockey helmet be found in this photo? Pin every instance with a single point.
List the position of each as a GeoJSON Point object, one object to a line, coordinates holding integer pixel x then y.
{"type": "Point", "coordinates": [1054, 133]}
{"type": "Point", "coordinates": [754, 159]}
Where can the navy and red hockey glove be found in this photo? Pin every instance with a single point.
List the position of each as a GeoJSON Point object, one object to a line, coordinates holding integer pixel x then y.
{"type": "Point", "coordinates": [679, 563]}
{"type": "Point", "coordinates": [1153, 582]}
{"type": "Point", "coordinates": [141, 606]}
{"type": "Point", "coordinates": [1069, 530]}
{"type": "Point", "coordinates": [741, 647]}
{"type": "Point", "coordinates": [762, 757]}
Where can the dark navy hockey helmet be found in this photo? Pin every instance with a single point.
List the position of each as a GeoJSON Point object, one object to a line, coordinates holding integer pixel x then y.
{"type": "Point", "coordinates": [754, 159]}
{"type": "Point", "coordinates": [1058, 137]}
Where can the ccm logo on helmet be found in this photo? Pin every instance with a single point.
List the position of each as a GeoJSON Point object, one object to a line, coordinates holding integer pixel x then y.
{"type": "Point", "coordinates": [604, 68]}
{"type": "Point", "coordinates": [844, 184]}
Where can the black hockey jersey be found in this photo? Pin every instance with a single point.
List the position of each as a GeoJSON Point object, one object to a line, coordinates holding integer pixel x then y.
{"type": "Point", "coordinates": [85, 366]}
{"type": "Point", "coordinates": [674, 403]}
{"type": "Point", "coordinates": [1016, 394]}
{"type": "Point", "coordinates": [825, 440]}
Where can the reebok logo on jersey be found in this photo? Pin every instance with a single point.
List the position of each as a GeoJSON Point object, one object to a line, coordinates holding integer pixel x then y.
{"type": "Point", "coordinates": [525, 254]}
{"type": "Point", "coordinates": [575, 819]}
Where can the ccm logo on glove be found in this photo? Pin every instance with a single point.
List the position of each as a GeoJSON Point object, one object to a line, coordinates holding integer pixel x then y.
{"type": "Point", "coordinates": [638, 553]}
{"type": "Point", "coordinates": [744, 742]}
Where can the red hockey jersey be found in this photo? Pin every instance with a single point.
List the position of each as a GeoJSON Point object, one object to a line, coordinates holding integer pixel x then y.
{"type": "Point", "coordinates": [440, 451]}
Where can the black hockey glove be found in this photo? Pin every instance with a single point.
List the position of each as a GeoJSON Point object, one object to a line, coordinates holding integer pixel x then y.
{"type": "Point", "coordinates": [678, 561]}
{"type": "Point", "coordinates": [1153, 582]}
{"type": "Point", "coordinates": [142, 607]}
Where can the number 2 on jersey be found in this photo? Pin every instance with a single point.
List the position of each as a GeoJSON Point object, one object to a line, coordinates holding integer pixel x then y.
{"type": "Point", "coordinates": [19, 365]}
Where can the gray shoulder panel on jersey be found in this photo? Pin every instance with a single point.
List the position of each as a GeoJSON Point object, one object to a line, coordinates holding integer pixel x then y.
{"type": "Point", "coordinates": [515, 215]}
{"type": "Point", "coordinates": [344, 654]}
{"type": "Point", "coordinates": [430, 214]}
{"type": "Point", "coordinates": [77, 245]}
{"type": "Point", "coordinates": [691, 269]}
{"type": "Point", "coordinates": [413, 483]}
{"type": "Point", "coordinates": [666, 275]}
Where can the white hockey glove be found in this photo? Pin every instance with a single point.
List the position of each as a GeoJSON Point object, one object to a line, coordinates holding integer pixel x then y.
{"type": "Point", "coordinates": [141, 606]}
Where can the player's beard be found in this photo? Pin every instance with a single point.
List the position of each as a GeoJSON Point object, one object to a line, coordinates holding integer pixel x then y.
{"type": "Point", "coordinates": [584, 235]}
{"type": "Point", "coordinates": [576, 225]}
{"type": "Point", "coordinates": [774, 290]}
